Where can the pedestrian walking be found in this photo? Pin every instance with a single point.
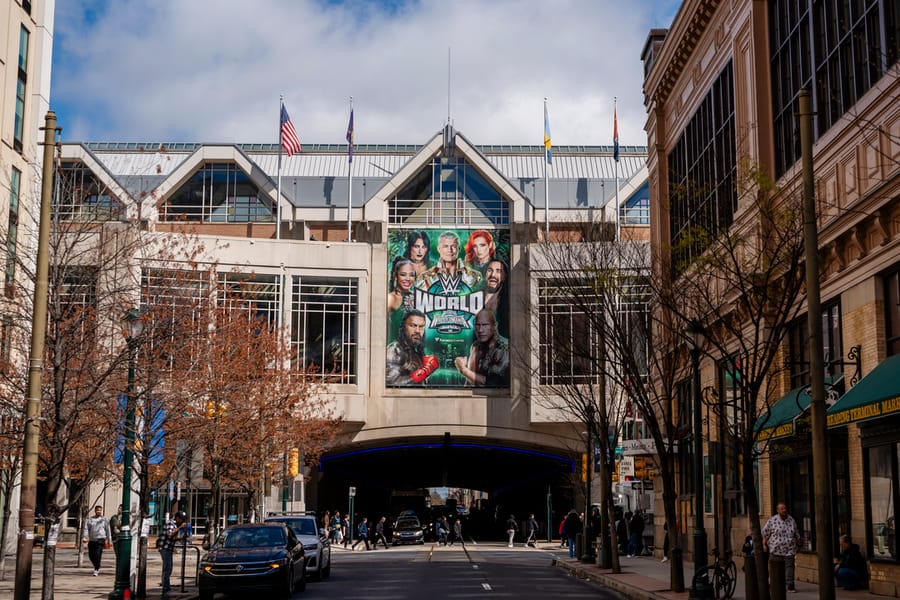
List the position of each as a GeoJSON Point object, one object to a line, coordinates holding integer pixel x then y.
{"type": "Point", "coordinates": [636, 533]}
{"type": "Point", "coordinates": [445, 531]}
{"type": "Point", "coordinates": [531, 526]}
{"type": "Point", "coordinates": [115, 527]}
{"type": "Point", "coordinates": [98, 535]}
{"type": "Point", "coordinates": [379, 534]}
{"type": "Point", "coordinates": [457, 533]}
{"type": "Point", "coordinates": [362, 534]}
{"type": "Point", "coordinates": [345, 530]}
{"type": "Point", "coordinates": [573, 527]}
{"type": "Point", "coordinates": [563, 541]}
{"type": "Point", "coordinates": [326, 524]}
{"type": "Point", "coordinates": [174, 529]}
{"type": "Point", "coordinates": [782, 538]}
{"type": "Point", "coordinates": [511, 529]}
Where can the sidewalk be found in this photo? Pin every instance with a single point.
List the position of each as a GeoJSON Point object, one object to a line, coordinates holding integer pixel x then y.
{"type": "Point", "coordinates": [645, 577]}
{"type": "Point", "coordinates": [78, 583]}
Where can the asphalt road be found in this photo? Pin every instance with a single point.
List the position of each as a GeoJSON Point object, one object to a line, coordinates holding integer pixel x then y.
{"type": "Point", "coordinates": [437, 573]}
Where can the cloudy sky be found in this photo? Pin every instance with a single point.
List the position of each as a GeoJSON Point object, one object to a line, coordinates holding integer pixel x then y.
{"type": "Point", "coordinates": [213, 70]}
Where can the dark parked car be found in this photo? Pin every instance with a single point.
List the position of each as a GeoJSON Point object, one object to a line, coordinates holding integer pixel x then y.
{"type": "Point", "coordinates": [408, 530]}
{"type": "Point", "coordinates": [248, 558]}
{"type": "Point", "coordinates": [316, 544]}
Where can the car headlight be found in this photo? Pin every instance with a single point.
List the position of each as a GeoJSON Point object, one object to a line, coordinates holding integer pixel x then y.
{"type": "Point", "coordinates": [418, 532]}
{"type": "Point", "coordinates": [311, 547]}
{"type": "Point", "coordinates": [396, 534]}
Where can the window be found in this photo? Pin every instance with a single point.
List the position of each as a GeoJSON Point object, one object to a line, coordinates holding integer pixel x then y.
{"type": "Point", "coordinates": [683, 399]}
{"type": "Point", "coordinates": [83, 197]}
{"type": "Point", "coordinates": [19, 124]}
{"type": "Point", "coordinates": [730, 424]}
{"type": "Point", "coordinates": [853, 45]}
{"type": "Point", "coordinates": [892, 311]}
{"type": "Point", "coordinates": [702, 172]}
{"type": "Point", "coordinates": [258, 293]}
{"type": "Point", "coordinates": [832, 347]}
{"type": "Point", "coordinates": [219, 193]}
{"type": "Point", "coordinates": [448, 192]}
{"type": "Point", "coordinates": [569, 345]}
{"type": "Point", "coordinates": [324, 326]}
{"type": "Point", "coordinates": [636, 210]}
{"type": "Point", "coordinates": [15, 180]}
{"type": "Point", "coordinates": [881, 491]}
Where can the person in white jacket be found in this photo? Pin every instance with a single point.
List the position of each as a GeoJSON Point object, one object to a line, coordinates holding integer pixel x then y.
{"type": "Point", "coordinates": [98, 535]}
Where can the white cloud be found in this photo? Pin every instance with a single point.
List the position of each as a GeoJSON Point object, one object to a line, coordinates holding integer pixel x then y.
{"type": "Point", "coordinates": [212, 70]}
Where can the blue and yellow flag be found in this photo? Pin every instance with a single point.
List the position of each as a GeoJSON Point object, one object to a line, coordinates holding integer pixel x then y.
{"type": "Point", "coordinates": [548, 145]}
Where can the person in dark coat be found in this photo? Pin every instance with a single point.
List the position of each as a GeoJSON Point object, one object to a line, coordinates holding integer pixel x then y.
{"type": "Point", "coordinates": [851, 573]}
{"type": "Point", "coordinates": [636, 531]}
{"type": "Point", "coordinates": [511, 529]}
{"type": "Point", "coordinates": [573, 526]}
{"type": "Point", "coordinates": [622, 533]}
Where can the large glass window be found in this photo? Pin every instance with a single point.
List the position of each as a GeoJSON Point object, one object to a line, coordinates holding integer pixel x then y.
{"type": "Point", "coordinates": [881, 491]}
{"type": "Point", "coordinates": [12, 234]}
{"type": "Point", "coordinates": [22, 80]}
{"type": "Point", "coordinates": [448, 192]}
{"type": "Point", "coordinates": [324, 326]}
{"type": "Point", "coordinates": [892, 311]}
{"type": "Point", "coordinates": [256, 292]}
{"type": "Point", "coordinates": [853, 45]}
{"type": "Point", "coordinates": [702, 171]}
{"type": "Point", "coordinates": [83, 197]}
{"type": "Point", "coordinates": [219, 193]}
{"type": "Point", "coordinates": [569, 345]}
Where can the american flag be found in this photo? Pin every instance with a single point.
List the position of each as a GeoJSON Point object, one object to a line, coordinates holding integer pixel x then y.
{"type": "Point", "coordinates": [289, 139]}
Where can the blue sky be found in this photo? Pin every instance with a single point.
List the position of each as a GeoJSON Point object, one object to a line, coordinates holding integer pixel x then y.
{"type": "Point", "coordinates": [213, 70]}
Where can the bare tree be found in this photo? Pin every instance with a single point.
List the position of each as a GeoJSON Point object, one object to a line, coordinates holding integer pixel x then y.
{"type": "Point", "coordinates": [742, 285]}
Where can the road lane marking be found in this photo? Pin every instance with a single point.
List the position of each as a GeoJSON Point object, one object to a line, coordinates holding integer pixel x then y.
{"type": "Point", "coordinates": [486, 586]}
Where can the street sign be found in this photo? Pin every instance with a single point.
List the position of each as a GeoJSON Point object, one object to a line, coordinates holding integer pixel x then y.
{"type": "Point", "coordinates": [626, 466]}
{"type": "Point", "coordinates": [352, 491]}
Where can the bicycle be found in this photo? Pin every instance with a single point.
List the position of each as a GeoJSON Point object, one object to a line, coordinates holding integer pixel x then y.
{"type": "Point", "coordinates": [724, 575]}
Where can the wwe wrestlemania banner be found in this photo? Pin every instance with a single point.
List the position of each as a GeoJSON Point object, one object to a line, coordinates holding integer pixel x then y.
{"type": "Point", "coordinates": [448, 308]}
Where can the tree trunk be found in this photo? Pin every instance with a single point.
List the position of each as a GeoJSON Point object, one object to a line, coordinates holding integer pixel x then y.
{"type": "Point", "coordinates": [676, 563]}
{"type": "Point", "coordinates": [762, 567]}
{"type": "Point", "coordinates": [8, 479]}
{"type": "Point", "coordinates": [49, 570]}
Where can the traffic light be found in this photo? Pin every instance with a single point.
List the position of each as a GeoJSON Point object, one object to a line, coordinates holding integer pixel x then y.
{"type": "Point", "coordinates": [294, 462]}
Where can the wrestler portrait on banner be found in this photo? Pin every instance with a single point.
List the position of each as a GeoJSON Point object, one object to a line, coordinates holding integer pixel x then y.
{"type": "Point", "coordinates": [406, 362]}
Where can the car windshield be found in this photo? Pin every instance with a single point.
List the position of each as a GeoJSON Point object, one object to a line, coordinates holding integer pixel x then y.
{"type": "Point", "coordinates": [300, 526]}
{"type": "Point", "coordinates": [255, 537]}
{"type": "Point", "coordinates": [407, 523]}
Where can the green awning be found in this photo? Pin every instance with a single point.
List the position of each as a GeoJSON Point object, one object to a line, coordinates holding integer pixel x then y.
{"type": "Point", "coordinates": [779, 421]}
{"type": "Point", "coordinates": [876, 395]}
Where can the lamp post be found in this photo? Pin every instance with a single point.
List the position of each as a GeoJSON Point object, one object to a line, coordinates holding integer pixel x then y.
{"type": "Point", "coordinates": [123, 552]}
{"type": "Point", "coordinates": [698, 589]}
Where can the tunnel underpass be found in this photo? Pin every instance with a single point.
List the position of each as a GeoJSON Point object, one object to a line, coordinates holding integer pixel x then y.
{"type": "Point", "coordinates": [517, 480]}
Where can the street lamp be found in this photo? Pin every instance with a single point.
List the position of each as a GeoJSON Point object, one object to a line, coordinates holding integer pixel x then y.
{"type": "Point", "coordinates": [698, 588]}
{"type": "Point", "coordinates": [134, 327]}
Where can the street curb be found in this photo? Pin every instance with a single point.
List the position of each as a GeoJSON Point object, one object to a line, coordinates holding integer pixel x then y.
{"type": "Point", "coordinates": [629, 591]}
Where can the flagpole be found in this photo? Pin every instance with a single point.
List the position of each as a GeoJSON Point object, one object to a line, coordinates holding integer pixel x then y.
{"type": "Point", "coordinates": [546, 175]}
{"type": "Point", "coordinates": [280, 148]}
{"type": "Point", "coordinates": [616, 152]}
{"type": "Point", "coordinates": [350, 171]}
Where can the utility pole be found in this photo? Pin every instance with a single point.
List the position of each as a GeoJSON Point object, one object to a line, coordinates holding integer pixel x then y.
{"type": "Point", "coordinates": [821, 470]}
{"type": "Point", "coordinates": [28, 489]}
